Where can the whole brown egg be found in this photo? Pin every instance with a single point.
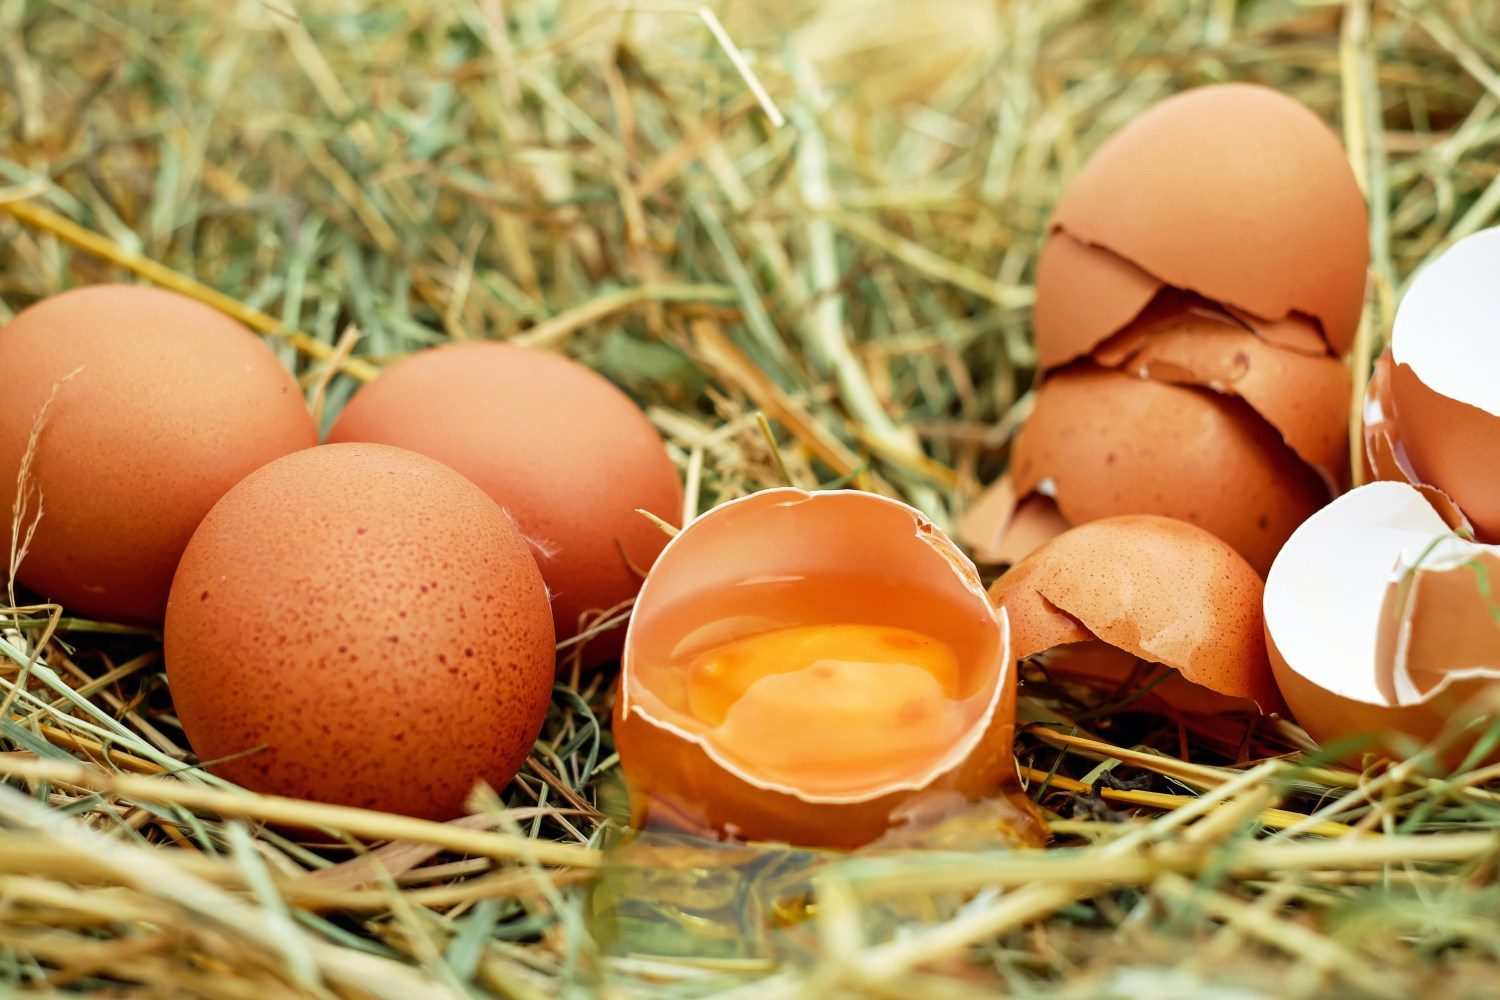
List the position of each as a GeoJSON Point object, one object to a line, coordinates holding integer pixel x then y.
{"type": "Point", "coordinates": [360, 625]}
{"type": "Point", "coordinates": [570, 457]}
{"type": "Point", "coordinates": [134, 410]}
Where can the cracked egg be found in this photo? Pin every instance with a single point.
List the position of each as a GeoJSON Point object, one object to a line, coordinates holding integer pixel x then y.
{"type": "Point", "coordinates": [812, 668]}
{"type": "Point", "coordinates": [1381, 617]}
{"type": "Point", "coordinates": [1201, 277]}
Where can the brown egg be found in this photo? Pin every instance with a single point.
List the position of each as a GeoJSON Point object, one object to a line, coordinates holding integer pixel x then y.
{"type": "Point", "coordinates": [1442, 397]}
{"type": "Point", "coordinates": [1236, 193]}
{"type": "Point", "coordinates": [1155, 588]}
{"type": "Point", "coordinates": [1379, 619]}
{"type": "Point", "coordinates": [159, 404]}
{"type": "Point", "coordinates": [1104, 443]}
{"type": "Point", "coordinates": [564, 451]}
{"type": "Point", "coordinates": [812, 668]}
{"type": "Point", "coordinates": [361, 625]}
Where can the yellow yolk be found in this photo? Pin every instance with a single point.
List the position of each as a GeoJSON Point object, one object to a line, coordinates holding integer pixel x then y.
{"type": "Point", "coordinates": [830, 703]}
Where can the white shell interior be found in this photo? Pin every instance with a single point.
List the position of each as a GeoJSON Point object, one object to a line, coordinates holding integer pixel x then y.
{"type": "Point", "coordinates": [1447, 327]}
{"type": "Point", "coordinates": [1325, 591]}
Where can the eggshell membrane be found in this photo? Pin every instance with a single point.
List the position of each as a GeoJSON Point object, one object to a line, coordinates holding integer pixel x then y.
{"type": "Point", "coordinates": [1328, 618]}
{"type": "Point", "coordinates": [1000, 528]}
{"type": "Point", "coordinates": [1110, 443]}
{"type": "Point", "coordinates": [172, 403]}
{"type": "Point", "coordinates": [675, 772]}
{"type": "Point", "coordinates": [374, 620]}
{"type": "Point", "coordinates": [570, 456]}
{"type": "Point", "coordinates": [1160, 589]}
{"type": "Point", "coordinates": [1306, 399]}
{"type": "Point", "coordinates": [1440, 624]}
{"type": "Point", "coordinates": [1235, 192]}
{"type": "Point", "coordinates": [1083, 295]}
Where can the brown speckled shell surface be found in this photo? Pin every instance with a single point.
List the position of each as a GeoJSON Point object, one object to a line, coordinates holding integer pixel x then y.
{"type": "Point", "coordinates": [568, 454]}
{"type": "Point", "coordinates": [169, 404]}
{"type": "Point", "coordinates": [374, 620]}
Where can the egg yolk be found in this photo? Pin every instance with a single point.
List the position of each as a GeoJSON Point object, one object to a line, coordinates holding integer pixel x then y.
{"type": "Point", "coordinates": [833, 704]}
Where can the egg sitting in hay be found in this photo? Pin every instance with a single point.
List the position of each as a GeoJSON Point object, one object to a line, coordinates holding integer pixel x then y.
{"type": "Point", "coordinates": [1381, 618]}
{"type": "Point", "coordinates": [815, 668]}
{"type": "Point", "coordinates": [1155, 612]}
{"type": "Point", "coordinates": [1432, 410]}
{"type": "Point", "coordinates": [1200, 280]}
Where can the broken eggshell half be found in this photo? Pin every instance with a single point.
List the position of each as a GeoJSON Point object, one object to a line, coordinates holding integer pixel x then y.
{"type": "Point", "coordinates": [1443, 396]}
{"type": "Point", "coordinates": [769, 685]}
{"type": "Point", "coordinates": [1234, 192]}
{"type": "Point", "coordinates": [1108, 595]}
{"type": "Point", "coordinates": [1385, 453]}
{"type": "Point", "coordinates": [1103, 443]}
{"type": "Point", "coordinates": [1379, 619]}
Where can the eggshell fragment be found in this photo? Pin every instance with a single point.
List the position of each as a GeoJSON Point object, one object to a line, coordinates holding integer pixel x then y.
{"type": "Point", "coordinates": [1161, 590]}
{"type": "Point", "coordinates": [1343, 638]}
{"type": "Point", "coordinates": [361, 625]}
{"type": "Point", "coordinates": [1000, 528]}
{"type": "Point", "coordinates": [159, 405]}
{"type": "Point", "coordinates": [1105, 443]}
{"type": "Point", "coordinates": [856, 557]}
{"type": "Point", "coordinates": [1084, 295]}
{"type": "Point", "coordinates": [570, 456]}
{"type": "Point", "coordinates": [1237, 193]}
{"type": "Point", "coordinates": [1442, 380]}
{"type": "Point", "coordinates": [1305, 398]}
{"type": "Point", "coordinates": [1385, 454]}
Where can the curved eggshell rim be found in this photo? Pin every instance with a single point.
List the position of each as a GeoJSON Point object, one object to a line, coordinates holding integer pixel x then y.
{"type": "Point", "coordinates": [923, 530]}
{"type": "Point", "coordinates": [1446, 319]}
{"type": "Point", "coordinates": [1041, 578]}
{"type": "Point", "coordinates": [1393, 525]}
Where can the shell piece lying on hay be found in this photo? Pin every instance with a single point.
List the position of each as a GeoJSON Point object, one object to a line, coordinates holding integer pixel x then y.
{"type": "Point", "coordinates": [1380, 618]}
{"type": "Point", "coordinates": [1157, 589]}
{"type": "Point", "coordinates": [802, 666]}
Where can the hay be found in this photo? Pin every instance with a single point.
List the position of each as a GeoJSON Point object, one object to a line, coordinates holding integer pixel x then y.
{"type": "Point", "coordinates": [615, 181]}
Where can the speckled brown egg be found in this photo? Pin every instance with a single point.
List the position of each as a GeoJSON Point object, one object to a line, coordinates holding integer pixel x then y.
{"type": "Point", "coordinates": [159, 404]}
{"type": "Point", "coordinates": [570, 456]}
{"type": "Point", "coordinates": [361, 625]}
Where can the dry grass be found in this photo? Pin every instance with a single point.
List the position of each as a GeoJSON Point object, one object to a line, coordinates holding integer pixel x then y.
{"type": "Point", "coordinates": [618, 182]}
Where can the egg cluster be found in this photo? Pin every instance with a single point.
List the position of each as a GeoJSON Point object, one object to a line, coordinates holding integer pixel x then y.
{"type": "Point", "coordinates": [375, 621]}
{"type": "Point", "coordinates": [371, 621]}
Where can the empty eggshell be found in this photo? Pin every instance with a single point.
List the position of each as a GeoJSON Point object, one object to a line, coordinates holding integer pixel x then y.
{"type": "Point", "coordinates": [1158, 589]}
{"type": "Point", "coordinates": [570, 456]}
{"type": "Point", "coordinates": [1237, 193]}
{"type": "Point", "coordinates": [1443, 389]}
{"type": "Point", "coordinates": [1104, 443]}
{"type": "Point", "coordinates": [810, 775]}
{"type": "Point", "coordinates": [159, 405]}
{"type": "Point", "coordinates": [1376, 619]}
